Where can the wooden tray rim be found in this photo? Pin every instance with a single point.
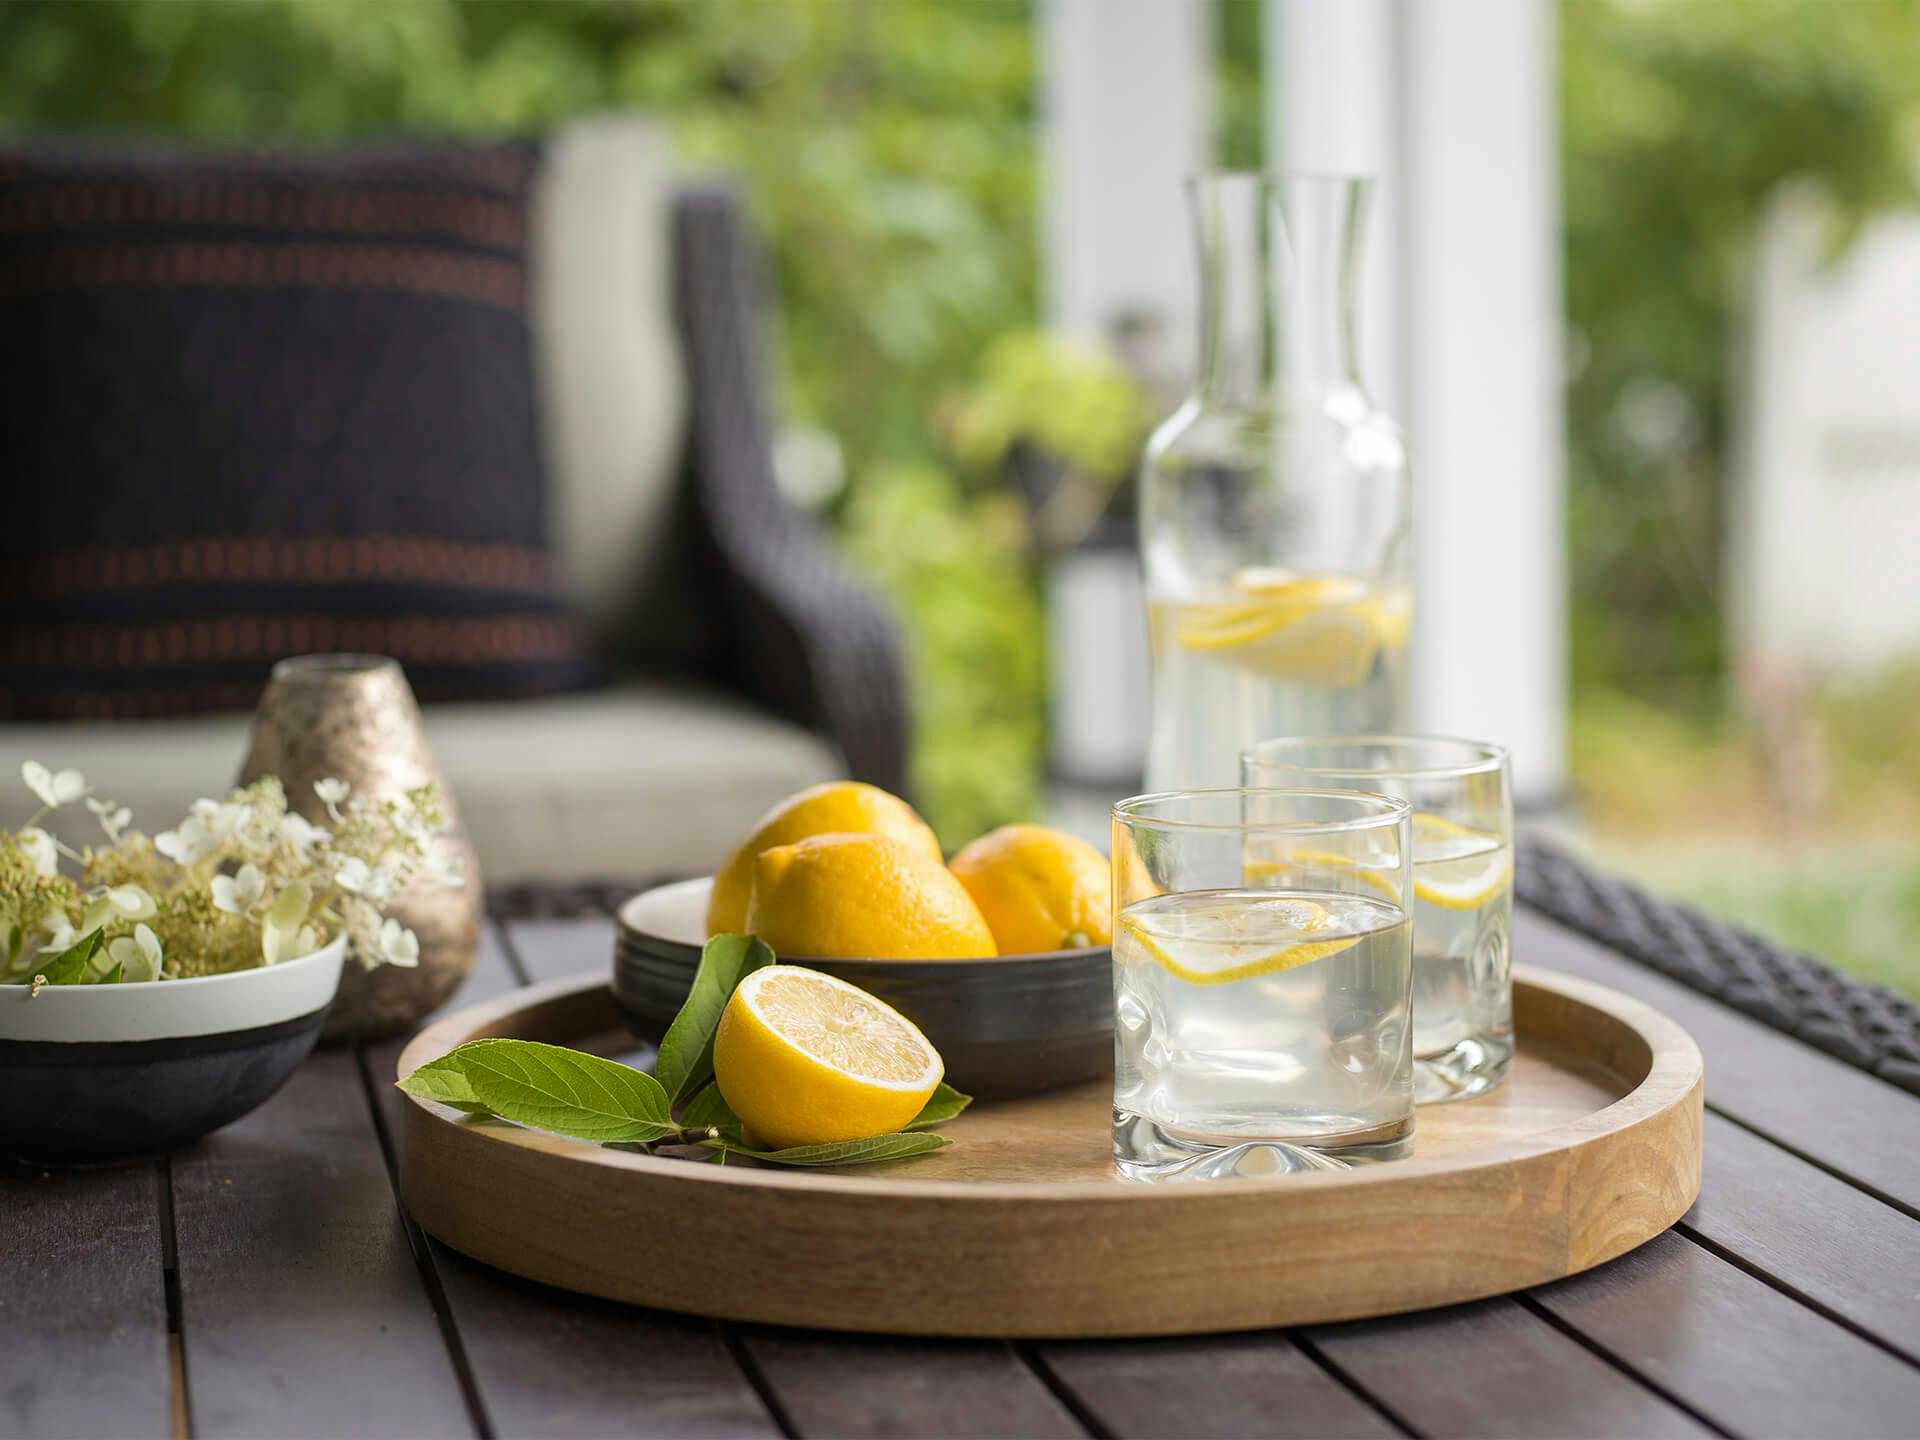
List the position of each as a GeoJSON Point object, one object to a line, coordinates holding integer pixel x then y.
{"type": "Point", "coordinates": [1675, 1072]}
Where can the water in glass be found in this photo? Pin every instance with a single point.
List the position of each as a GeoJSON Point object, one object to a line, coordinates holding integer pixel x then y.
{"type": "Point", "coordinates": [1260, 1016]}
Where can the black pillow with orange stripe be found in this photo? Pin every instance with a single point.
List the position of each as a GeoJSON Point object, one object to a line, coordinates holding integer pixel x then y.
{"type": "Point", "coordinates": [262, 404]}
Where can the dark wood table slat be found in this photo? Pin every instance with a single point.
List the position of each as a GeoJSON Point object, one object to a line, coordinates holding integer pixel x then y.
{"type": "Point", "coordinates": [1226, 1386]}
{"type": "Point", "coordinates": [1631, 1348]}
{"type": "Point", "coordinates": [548, 1362]}
{"type": "Point", "coordinates": [303, 1310]}
{"type": "Point", "coordinates": [1477, 1370]}
{"type": "Point", "coordinates": [875, 1386]}
{"type": "Point", "coordinates": [1821, 1238]}
{"type": "Point", "coordinates": [83, 1307]}
{"type": "Point", "coordinates": [1840, 1117]}
{"type": "Point", "coordinates": [555, 949]}
{"type": "Point", "coordinates": [1733, 1348]}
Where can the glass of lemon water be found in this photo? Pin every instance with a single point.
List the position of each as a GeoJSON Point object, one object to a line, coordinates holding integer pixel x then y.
{"type": "Point", "coordinates": [1260, 1029]}
{"type": "Point", "coordinates": [1462, 829]}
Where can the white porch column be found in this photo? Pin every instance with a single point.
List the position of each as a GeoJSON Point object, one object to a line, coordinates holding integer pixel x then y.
{"type": "Point", "coordinates": [1126, 96]}
{"type": "Point", "coordinates": [1331, 101]}
{"type": "Point", "coordinates": [1454, 103]}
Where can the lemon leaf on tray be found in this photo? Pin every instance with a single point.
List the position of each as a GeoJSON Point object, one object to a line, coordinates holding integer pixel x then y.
{"type": "Point", "coordinates": [444, 1081]}
{"type": "Point", "coordinates": [707, 1107]}
{"type": "Point", "coordinates": [844, 1152]}
{"type": "Point", "coordinates": [586, 1097]}
{"type": "Point", "coordinates": [945, 1103]}
{"type": "Point", "coordinates": [566, 1091]}
{"type": "Point", "coordinates": [686, 1050]}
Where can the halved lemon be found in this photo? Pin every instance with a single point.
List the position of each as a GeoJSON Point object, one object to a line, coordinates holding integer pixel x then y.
{"type": "Point", "coordinates": [805, 1058]}
{"type": "Point", "coordinates": [1217, 959]}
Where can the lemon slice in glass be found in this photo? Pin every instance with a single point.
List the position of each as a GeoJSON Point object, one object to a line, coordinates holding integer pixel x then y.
{"type": "Point", "coordinates": [1455, 867]}
{"type": "Point", "coordinates": [1216, 947]}
{"type": "Point", "coordinates": [1313, 629]}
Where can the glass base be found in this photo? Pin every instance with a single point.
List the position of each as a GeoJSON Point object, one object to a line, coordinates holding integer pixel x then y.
{"type": "Point", "coordinates": [1143, 1149]}
{"type": "Point", "coordinates": [1473, 1067]}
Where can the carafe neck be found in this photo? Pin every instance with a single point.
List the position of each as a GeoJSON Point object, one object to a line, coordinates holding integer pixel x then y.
{"type": "Point", "coordinates": [1279, 261]}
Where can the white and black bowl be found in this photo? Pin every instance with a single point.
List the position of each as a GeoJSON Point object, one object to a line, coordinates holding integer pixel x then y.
{"type": "Point", "coordinates": [1004, 1025]}
{"type": "Point", "coordinates": [91, 1074]}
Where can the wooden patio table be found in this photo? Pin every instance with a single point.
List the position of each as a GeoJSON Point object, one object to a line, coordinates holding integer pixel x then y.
{"type": "Point", "coordinates": [266, 1282]}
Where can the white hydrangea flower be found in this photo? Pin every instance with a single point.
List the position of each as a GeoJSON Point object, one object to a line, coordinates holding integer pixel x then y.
{"type": "Point", "coordinates": [222, 819]}
{"type": "Point", "coordinates": [377, 882]}
{"type": "Point", "coordinates": [448, 866]}
{"type": "Point", "coordinates": [40, 850]}
{"type": "Point", "coordinates": [138, 956]}
{"type": "Point", "coordinates": [332, 792]}
{"type": "Point", "coordinates": [282, 933]}
{"type": "Point", "coordinates": [60, 934]}
{"type": "Point", "coordinates": [192, 842]}
{"type": "Point", "coordinates": [113, 818]}
{"type": "Point", "coordinates": [303, 833]}
{"type": "Point", "coordinates": [53, 788]}
{"type": "Point", "coordinates": [238, 893]}
{"type": "Point", "coordinates": [130, 902]}
{"type": "Point", "coordinates": [399, 945]}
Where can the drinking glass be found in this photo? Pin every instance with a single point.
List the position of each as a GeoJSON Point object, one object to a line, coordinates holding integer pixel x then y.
{"type": "Point", "coordinates": [1260, 1028]}
{"type": "Point", "coordinates": [1462, 887]}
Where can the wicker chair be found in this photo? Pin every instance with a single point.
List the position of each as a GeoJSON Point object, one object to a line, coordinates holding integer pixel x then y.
{"type": "Point", "coordinates": [748, 663]}
{"type": "Point", "coordinates": [802, 636]}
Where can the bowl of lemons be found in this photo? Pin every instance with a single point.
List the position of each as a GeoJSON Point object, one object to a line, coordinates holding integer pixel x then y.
{"type": "Point", "coordinates": [1000, 955]}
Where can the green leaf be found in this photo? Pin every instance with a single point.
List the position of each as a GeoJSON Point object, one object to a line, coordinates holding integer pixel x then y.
{"type": "Point", "coordinates": [945, 1103]}
{"type": "Point", "coordinates": [112, 977]}
{"type": "Point", "coordinates": [565, 1091]}
{"type": "Point", "coordinates": [686, 1050]}
{"type": "Point", "coordinates": [708, 1107]}
{"type": "Point", "coordinates": [445, 1082]}
{"type": "Point", "coordinates": [847, 1152]}
{"type": "Point", "coordinates": [69, 967]}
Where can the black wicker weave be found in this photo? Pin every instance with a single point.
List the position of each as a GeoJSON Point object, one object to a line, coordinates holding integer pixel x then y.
{"type": "Point", "coordinates": [798, 635]}
{"type": "Point", "coordinates": [1866, 1025]}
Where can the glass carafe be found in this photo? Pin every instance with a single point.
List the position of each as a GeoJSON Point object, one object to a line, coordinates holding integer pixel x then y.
{"type": "Point", "coordinates": [1275, 507]}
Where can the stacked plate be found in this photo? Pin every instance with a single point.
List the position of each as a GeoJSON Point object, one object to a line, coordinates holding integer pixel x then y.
{"type": "Point", "coordinates": [1004, 1025]}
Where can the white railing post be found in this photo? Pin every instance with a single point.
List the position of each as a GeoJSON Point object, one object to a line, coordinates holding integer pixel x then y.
{"type": "Point", "coordinates": [1126, 91]}
{"type": "Point", "coordinates": [1454, 104]}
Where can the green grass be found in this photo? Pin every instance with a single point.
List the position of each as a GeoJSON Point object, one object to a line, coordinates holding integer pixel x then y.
{"type": "Point", "coordinates": [1854, 905]}
{"type": "Point", "coordinates": [1800, 821]}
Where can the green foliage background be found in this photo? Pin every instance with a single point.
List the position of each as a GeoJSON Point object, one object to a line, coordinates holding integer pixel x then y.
{"type": "Point", "coordinates": [888, 146]}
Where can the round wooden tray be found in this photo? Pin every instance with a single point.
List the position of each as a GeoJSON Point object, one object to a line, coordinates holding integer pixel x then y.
{"type": "Point", "coordinates": [1022, 1229]}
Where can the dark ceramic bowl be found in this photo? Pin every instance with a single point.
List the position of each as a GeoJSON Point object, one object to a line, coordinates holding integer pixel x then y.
{"type": "Point", "coordinates": [1006, 1025]}
{"type": "Point", "coordinates": [92, 1074]}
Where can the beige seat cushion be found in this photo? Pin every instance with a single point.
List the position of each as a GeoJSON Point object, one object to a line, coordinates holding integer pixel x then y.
{"type": "Point", "coordinates": [637, 780]}
{"type": "Point", "coordinates": [610, 374]}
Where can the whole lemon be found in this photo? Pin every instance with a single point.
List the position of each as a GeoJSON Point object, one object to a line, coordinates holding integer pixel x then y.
{"type": "Point", "coordinates": [840, 807]}
{"type": "Point", "coordinates": [1039, 889]}
{"type": "Point", "coordinates": [865, 897]}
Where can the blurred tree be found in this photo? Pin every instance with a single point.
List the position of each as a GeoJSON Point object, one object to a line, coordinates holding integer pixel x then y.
{"type": "Point", "coordinates": [886, 146]}
{"type": "Point", "coordinates": [1680, 120]}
